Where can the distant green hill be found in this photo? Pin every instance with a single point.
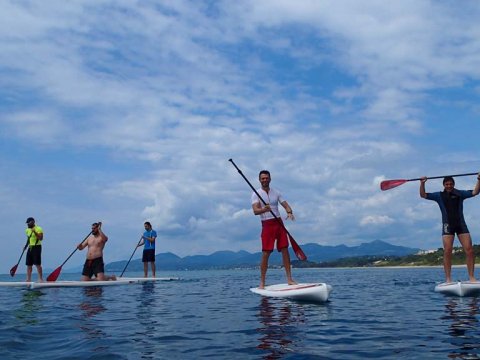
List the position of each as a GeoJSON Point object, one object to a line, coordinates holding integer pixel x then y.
{"type": "Point", "coordinates": [317, 254]}
{"type": "Point", "coordinates": [428, 259]}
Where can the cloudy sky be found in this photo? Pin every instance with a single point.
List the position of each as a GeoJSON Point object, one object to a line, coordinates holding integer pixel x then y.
{"type": "Point", "coordinates": [127, 111]}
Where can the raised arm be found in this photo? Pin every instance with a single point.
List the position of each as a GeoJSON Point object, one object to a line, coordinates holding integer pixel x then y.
{"type": "Point", "coordinates": [102, 235]}
{"type": "Point", "coordinates": [423, 193]}
{"type": "Point", "coordinates": [477, 186]}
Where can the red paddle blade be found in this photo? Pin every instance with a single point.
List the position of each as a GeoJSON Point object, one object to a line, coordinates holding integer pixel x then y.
{"type": "Point", "coordinates": [54, 275]}
{"type": "Point", "coordinates": [13, 270]}
{"type": "Point", "coordinates": [296, 249]}
{"type": "Point", "coordinates": [390, 184]}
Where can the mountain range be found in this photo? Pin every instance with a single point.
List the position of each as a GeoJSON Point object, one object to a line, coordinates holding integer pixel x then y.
{"type": "Point", "coordinates": [230, 259]}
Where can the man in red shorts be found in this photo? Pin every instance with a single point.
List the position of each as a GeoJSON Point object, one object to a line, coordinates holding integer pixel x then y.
{"type": "Point", "coordinates": [272, 229]}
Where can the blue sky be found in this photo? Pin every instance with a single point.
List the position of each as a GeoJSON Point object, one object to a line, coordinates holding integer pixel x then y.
{"type": "Point", "coordinates": [125, 111]}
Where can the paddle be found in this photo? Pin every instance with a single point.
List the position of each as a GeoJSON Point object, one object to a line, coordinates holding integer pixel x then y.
{"type": "Point", "coordinates": [128, 262]}
{"type": "Point", "coordinates": [390, 184]}
{"type": "Point", "coordinates": [298, 251]}
{"type": "Point", "coordinates": [14, 268]}
{"type": "Point", "coordinates": [54, 275]}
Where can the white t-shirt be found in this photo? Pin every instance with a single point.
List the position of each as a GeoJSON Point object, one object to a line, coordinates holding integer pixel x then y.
{"type": "Point", "coordinates": [273, 198]}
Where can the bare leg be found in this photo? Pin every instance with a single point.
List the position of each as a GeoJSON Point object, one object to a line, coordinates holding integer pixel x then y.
{"type": "Point", "coordinates": [29, 273]}
{"type": "Point", "coordinates": [466, 242]}
{"type": "Point", "coordinates": [263, 268]}
{"type": "Point", "coordinates": [447, 256]}
{"type": "Point", "coordinates": [40, 272]}
{"type": "Point", "coordinates": [145, 269]}
{"type": "Point", "coordinates": [286, 265]}
{"type": "Point", "coordinates": [153, 268]}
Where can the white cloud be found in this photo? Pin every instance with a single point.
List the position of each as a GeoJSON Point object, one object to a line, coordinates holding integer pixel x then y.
{"type": "Point", "coordinates": [132, 111]}
{"type": "Point", "coordinates": [375, 220]}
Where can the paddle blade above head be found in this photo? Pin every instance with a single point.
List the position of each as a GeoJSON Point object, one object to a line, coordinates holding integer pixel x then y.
{"type": "Point", "coordinates": [13, 270]}
{"type": "Point", "coordinates": [390, 184]}
{"type": "Point", "coordinates": [54, 275]}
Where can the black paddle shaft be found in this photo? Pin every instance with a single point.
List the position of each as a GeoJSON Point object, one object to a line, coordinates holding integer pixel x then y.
{"type": "Point", "coordinates": [128, 262]}
{"type": "Point", "coordinates": [439, 177]}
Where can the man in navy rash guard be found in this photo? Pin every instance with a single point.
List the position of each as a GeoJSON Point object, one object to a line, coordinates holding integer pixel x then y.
{"type": "Point", "coordinates": [450, 202]}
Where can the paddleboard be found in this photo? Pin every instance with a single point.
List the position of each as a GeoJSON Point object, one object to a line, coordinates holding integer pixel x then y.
{"type": "Point", "coordinates": [24, 284]}
{"type": "Point", "coordinates": [143, 279]}
{"type": "Point", "coordinates": [310, 292]}
{"type": "Point", "coordinates": [459, 288]}
{"type": "Point", "coordinates": [67, 283]}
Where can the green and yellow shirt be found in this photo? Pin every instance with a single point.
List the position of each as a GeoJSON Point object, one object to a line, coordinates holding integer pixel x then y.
{"type": "Point", "coordinates": [32, 237]}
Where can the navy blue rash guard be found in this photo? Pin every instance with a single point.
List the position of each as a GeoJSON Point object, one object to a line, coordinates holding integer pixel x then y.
{"type": "Point", "coordinates": [451, 206]}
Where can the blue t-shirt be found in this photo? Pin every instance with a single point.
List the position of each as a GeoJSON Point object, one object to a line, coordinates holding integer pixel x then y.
{"type": "Point", "coordinates": [451, 205]}
{"type": "Point", "coordinates": [149, 234]}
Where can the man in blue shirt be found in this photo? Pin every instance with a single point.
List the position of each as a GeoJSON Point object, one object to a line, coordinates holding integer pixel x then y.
{"type": "Point", "coordinates": [450, 202]}
{"type": "Point", "coordinates": [148, 239]}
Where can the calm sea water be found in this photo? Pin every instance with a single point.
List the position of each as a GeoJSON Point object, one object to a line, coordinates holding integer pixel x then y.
{"type": "Point", "coordinates": [372, 313]}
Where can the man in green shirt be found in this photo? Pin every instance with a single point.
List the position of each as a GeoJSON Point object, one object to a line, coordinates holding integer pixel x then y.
{"type": "Point", "coordinates": [34, 253]}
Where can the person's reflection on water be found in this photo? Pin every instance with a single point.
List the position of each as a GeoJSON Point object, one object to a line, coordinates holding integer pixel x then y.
{"type": "Point", "coordinates": [464, 329]}
{"type": "Point", "coordinates": [29, 307]}
{"type": "Point", "coordinates": [91, 306]}
{"type": "Point", "coordinates": [279, 320]}
{"type": "Point", "coordinates": [148, 323]}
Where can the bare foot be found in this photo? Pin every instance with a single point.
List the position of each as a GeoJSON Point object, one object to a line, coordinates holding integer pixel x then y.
{"type": "Point", "coordinates": [292, 282]}
{"type": "Point", "coordinates": [261, 286]}
{"type": "Point", "coordinates": [472, 279]}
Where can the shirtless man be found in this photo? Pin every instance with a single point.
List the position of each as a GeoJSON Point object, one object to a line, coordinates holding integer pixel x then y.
{"type": "Point", "coordinates": [94, 263]}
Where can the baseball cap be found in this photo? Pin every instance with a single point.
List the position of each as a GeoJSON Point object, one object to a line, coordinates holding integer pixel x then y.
{"type": "Point", "coordinates": [30, 219]}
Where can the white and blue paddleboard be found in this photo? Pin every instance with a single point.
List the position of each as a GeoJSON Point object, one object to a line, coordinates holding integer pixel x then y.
{"type": "Point", "coordinates": [68, 283]}
{"type": "Point", "coordinates": [459, 288]}
{"type": "Point", "coordinates": [149, 279]}
{"type": "Point", "coordinates": [309, 292]}
{"type": "Point", "coordinates": [24, 284]}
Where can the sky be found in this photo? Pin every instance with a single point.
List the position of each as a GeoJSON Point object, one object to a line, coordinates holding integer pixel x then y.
{"type": "Point", "coordinates": [128, 111]}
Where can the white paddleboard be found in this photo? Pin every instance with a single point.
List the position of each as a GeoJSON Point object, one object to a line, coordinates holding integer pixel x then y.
{"type": "Point", "coordinates": [149, 279]}
{"type": "Point", "coordinates": [66, 283]}
{"type": "Point", "coordinates": [24, 284]}
{"type": "Point", "coordinates": [311, 292]}
{"type": "Point", "coordinates": [459, 288]}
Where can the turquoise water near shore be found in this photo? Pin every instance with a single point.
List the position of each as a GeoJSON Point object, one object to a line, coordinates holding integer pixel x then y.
{"type": "Point", "coordinates": [372, 313]}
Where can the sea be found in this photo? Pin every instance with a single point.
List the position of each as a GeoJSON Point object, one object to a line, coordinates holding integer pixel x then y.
{"type": "Point", "coordinates": [372, 313]}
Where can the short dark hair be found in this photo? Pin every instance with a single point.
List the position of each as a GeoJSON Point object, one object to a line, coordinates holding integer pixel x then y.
{"type": "Point", "coordinates": [266, 172]}
{"type": "Point", "coordinates": [448, 178]}
{"type": "Point", "coordinates": [147, 223]}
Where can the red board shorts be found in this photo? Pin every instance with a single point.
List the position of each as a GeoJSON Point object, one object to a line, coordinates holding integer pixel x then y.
{"type": "Point", "coordinates": [272, 230]}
